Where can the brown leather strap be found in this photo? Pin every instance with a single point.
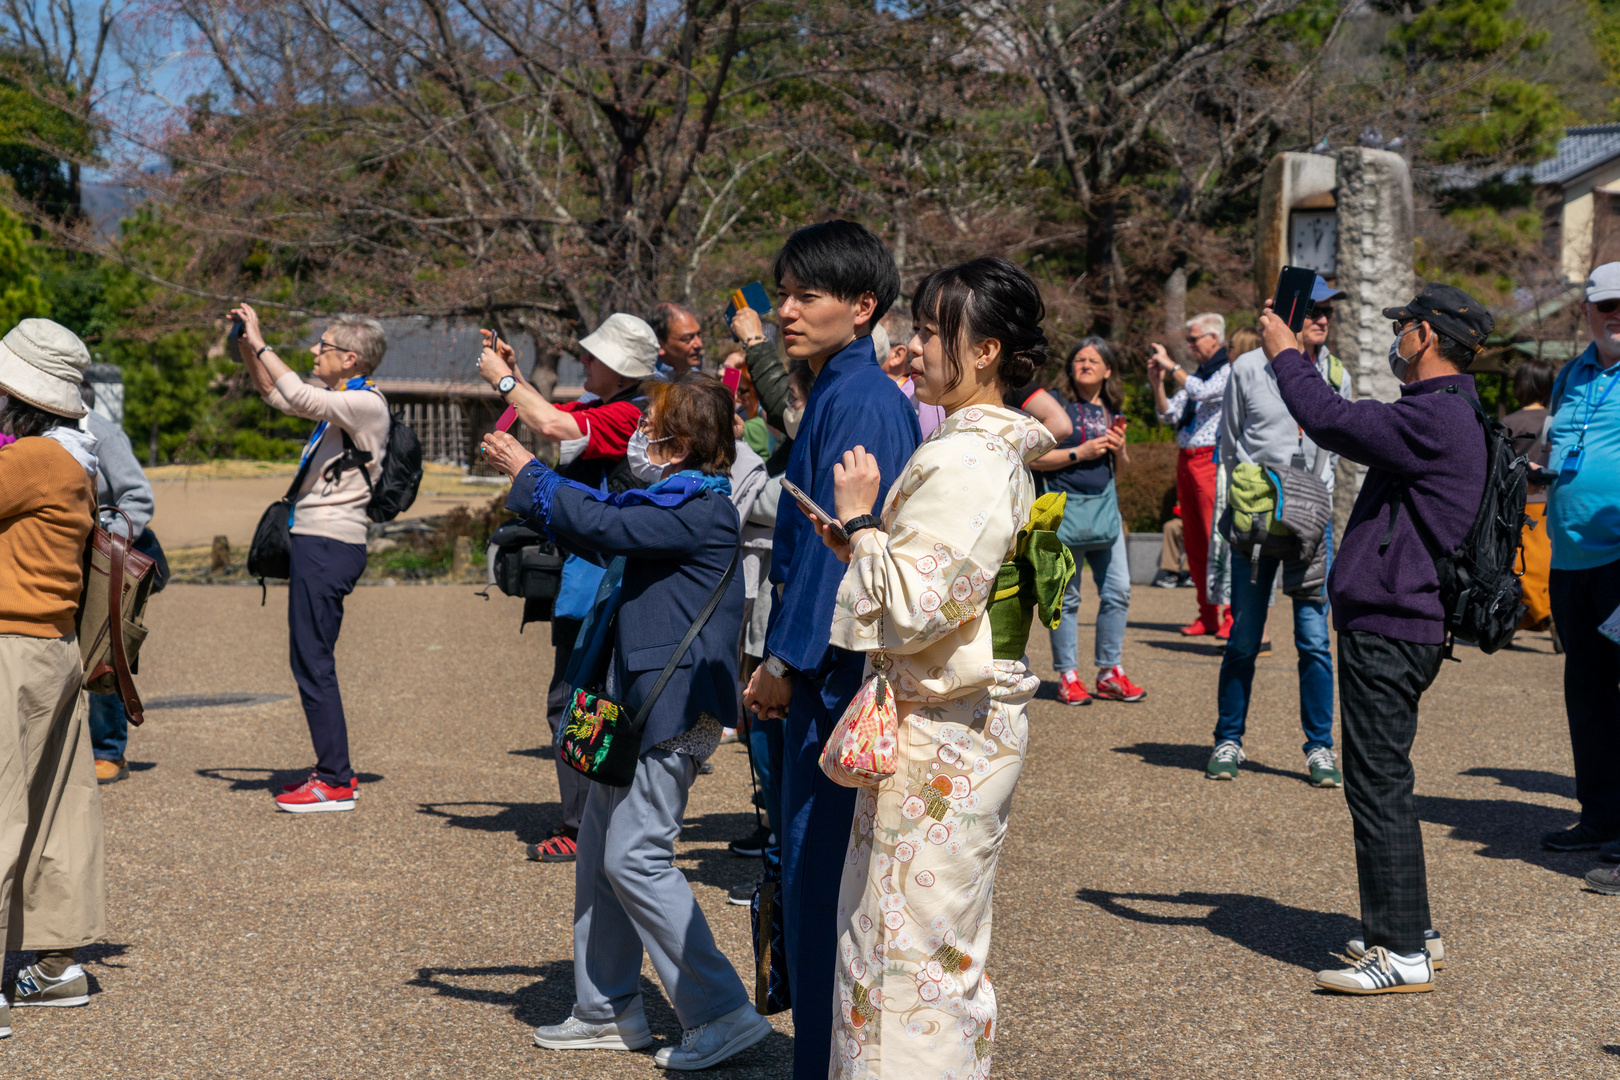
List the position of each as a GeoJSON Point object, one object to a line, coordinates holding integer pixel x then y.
{"type": "Point", "coordinates": [118, 547]}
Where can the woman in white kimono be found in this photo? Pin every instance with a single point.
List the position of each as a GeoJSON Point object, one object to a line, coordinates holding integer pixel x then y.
{"type": "Point", "coordinates": [911, 998]}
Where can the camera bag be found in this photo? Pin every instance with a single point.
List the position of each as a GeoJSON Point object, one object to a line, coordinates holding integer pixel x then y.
{"type": "Point", "coordinates": [118, 581]}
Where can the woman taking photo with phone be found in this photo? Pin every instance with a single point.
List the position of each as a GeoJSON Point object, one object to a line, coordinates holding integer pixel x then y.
{"type": "Point", "coordinates": [1082, 466]}
{"type": "Point", "coordinates": [675, 541]}
{"type": "Point", "coordinates": [911, 998]}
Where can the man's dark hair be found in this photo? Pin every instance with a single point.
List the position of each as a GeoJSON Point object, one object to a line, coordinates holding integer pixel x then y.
{"type": "Point", "coordinates": [25, 421]}
{"type": "Point", "coordinates": [1532, 382]}
{"type": "Point", "coordinates": [1453, 351]}
{"type": "Point", "coordinates": [662, 315]}
{"type": "Point", "coordinates": [841, 259]}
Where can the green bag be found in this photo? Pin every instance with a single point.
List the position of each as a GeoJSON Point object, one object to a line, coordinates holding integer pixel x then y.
{"type": "Point", "coordinates": [1033, 579]}
{"type": "Point", "coordinates": [596, 736]}
{"type": "Point", "coordinates": [1091, 521]}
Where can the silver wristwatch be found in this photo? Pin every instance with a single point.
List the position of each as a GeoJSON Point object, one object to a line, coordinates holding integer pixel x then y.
{"type": "Point", "coordinates": [776, 667]}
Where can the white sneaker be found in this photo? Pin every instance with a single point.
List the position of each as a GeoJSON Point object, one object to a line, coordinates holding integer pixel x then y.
{"type": "Point", "coordinates": [34, 987]}
{"type": "Point", "coordinates": [711, 1043]}
{"type": "Point", "coordinates": [1380, 972]}
{"type": "Point", "coordinates": [1357, 948]}
{"type": "Point", "coordinates": [628, 1032]}
{"type": "Point", "coordinates": [5, 1019]}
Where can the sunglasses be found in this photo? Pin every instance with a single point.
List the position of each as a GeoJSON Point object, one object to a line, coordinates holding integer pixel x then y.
{"type": "Point", "coordinates": [1606, 307]}
{"type": "Point", "coordinates": [1321, 311]}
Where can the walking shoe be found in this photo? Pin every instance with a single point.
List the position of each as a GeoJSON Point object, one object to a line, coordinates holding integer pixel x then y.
{"type": "Point", "coordinates": [1115, 686]}
{"type": "Point", "coordinates": [1225, 632]}
{"type": "Point", "coordinates": [1196, 628]}
{"type": "Point", "coordinates": [1166, 579]}
{"type": "Point", "coordinates": [1357, 948]}
{"type": "Point", "coordinates": [110, 772]}
{"type": "Point", "coordinates": [752, 846]}
{"type": "Point", "coordinates": [1224, 762]}
{"type": "Point", "coordinates": [1265, 648]}
{"type": "Point", "coordinates": [315, 796]}
{"type": "Point", "coordinates": [1605, 879]}
{"type": "Point", "coordinates": [1579, 837]}
{"type": "Point", "coordinates": [1324, 769]}
{"type": "Point", "coordinates": [1610, 852]}
{"type": "Point", "coordinates": [5, 1020]}
{"type": "Point", "coordinates": [1380, 971]}
{"type": "Point", "coordinates": [711, 1043]}
{"type": "Point", "coordinates": [728, 735]}
{"type": "Point", "coordinates": [354, 784]}
{"type": "Point", "coordinates": [558, 846]}
{"type": "Point", "coordinates": [742, 895]}
{"type": "Point", "coordinates": [1071, 691]}
{"type": "Point", "coordinates": [34, 987]}
{"type": "Point", "coordinates": [628, 1032]}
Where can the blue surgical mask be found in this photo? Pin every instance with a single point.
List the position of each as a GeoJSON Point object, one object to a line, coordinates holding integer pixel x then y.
{"type": "Point", "coordinates": [1399, 364]}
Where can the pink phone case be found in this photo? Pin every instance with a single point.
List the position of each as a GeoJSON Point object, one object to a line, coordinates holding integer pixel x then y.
{"type": "Point", "coordinates": [507, 418]}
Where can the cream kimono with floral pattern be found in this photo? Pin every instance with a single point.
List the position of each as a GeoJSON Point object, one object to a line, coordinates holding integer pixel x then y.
{"type": "Point", "coordinates": [911, 996]}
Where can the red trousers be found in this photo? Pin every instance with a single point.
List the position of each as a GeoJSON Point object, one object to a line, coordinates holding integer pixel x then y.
{"type": "Point", "coordinates": [1195, 488]}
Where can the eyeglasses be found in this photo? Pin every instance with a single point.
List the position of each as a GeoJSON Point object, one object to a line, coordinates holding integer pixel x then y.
{"type": "Point", "coordinates": [323, 347]}
{"type": "Point", "coordinates": [1606, 307]}
{"type": "Point", "coordinates": [1320, 311]}
{"type": "Point", "coordinates": [1193, 339]}
{"type": "Point", "coordinates": [1402, 328]}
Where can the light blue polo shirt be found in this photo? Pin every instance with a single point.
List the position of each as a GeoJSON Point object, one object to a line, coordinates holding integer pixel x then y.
{"type": "Point", "coordinates": [1583, 508]}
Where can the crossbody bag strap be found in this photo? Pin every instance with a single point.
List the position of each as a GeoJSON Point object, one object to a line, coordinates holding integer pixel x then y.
{"type": "Point", "coordinates": [686, 642]}
{"type": "Point", "coordinates": [118, 548]}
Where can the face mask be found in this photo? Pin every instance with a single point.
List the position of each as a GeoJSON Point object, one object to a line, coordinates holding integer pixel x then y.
{"type": "Point", "coordinates": [635, 455]}
{"type": "Point", "coordinates": [790, 421]}
{"type": "Point", "coordinates": [1398, 364]}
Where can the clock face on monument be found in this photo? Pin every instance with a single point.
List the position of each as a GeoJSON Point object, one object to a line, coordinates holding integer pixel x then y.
{"type": "Point", "coordinates": [1311, 238]}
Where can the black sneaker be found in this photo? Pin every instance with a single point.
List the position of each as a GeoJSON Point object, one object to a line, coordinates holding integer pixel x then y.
{"type": "Point", "coordinates": [742, 895]}
{"type": "Point", "coordinates": [753, 845]}
{"type": "Point", "coordinates": [1166, 579]}
{"type": "Point", "coordinates": [1581, 837]}
{"type": "Point", "coordinates": [1610, 852]}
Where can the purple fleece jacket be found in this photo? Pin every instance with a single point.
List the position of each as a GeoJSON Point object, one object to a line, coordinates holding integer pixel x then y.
{"type": "Point", "coordinates": [1431, 442]}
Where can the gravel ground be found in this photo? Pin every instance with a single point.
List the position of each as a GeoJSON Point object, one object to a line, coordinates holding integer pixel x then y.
{"type": "Point", "coordinates": [1148, 923]}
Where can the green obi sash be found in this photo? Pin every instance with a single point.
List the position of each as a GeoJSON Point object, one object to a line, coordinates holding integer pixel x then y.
{"type": "Point", "coordinates": [1032, 580]}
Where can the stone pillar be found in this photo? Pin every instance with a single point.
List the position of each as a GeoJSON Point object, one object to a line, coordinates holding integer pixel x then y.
{"type": "Point", "coordinates": [1291, 179]}
{"type": "Point", "coordinates": [1374, 268]}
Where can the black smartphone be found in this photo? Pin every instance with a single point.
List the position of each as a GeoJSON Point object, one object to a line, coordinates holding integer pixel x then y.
{"type": "Point", "coordinates": [1292, 300]}
{"type": "Point", "coordinates": [238, 328]}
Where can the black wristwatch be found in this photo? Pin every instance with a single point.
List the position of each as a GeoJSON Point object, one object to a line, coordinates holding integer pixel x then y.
{"type": "Point", "coordinates": [1073, 456]}
{"type": "Point", "coordinates": [864, 521]}
{"type": "Point", "coordinates": [506, 384]}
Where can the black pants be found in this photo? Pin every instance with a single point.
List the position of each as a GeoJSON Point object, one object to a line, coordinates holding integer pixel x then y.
{"type": "Point", "coordinates": [323, 573]}
{"type": "Point", "coordinates": [572, 784]}
{"type": "Point", "coordinates": [1581, 599]}
{"type": "Point", "coordinates": [1380, 682]}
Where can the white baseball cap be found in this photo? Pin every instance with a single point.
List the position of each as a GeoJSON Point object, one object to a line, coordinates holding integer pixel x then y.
{"type": "Point", "coordinates": [1603, 283]}
{"type": "Point", "coordinates": [42, 363]}
{"type": "Point", "coordinates": [624, 343]}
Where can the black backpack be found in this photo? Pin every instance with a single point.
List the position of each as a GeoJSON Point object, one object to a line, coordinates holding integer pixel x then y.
{"type": "Point", "coordinates": [395, 489]}
{"type": "Point", "coordinates": [1479, 585]}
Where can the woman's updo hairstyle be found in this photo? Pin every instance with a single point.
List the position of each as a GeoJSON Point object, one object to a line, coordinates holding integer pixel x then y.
{"type": "Point", "coordinates": [985, 298]}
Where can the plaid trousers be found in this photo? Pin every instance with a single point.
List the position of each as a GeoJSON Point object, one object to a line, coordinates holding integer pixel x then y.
{"type": "Point", "coordinates": [1380, 683]}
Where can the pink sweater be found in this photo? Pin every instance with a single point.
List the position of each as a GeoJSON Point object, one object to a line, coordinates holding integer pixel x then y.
{"type": "Point", "coordinates": [323, 509]}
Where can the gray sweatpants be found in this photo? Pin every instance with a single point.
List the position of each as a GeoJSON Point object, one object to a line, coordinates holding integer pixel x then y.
{"type": "Point", "coordinates": [629, 896]}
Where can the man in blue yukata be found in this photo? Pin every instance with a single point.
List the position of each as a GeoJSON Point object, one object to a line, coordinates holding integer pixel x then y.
{"type": "Point", "coordinates": [835, 281]}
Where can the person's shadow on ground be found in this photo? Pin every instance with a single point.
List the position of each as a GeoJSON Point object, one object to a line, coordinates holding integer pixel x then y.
{"type": "Point", "coordinates": [1195, 758]}
{"type": "Point", "coordinates": [271, 780]}
{"type": "Point", "coordinates": [1296, 936]}
{"type": "Point", "coordinates": [529, 822]}
{"type": "Point", "coordinates": [1533, 781]}
{"type": "Point", "coordinates": [549, 999]}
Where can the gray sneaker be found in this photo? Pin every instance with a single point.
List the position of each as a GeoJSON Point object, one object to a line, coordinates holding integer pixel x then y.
{"type": "Point", "coordinates": [628, 1032]}
{"type": "Point", "coordinates": [1224, 762]}
{"type": "Point", "coordinates": [1357, 948]}
{"type": "Point", "coordinates": [34, 987]}
{"type": "Point", "coordinates": [711, 1043]}
{"type": "Point", "coordinates": [1605, 879]}
{"type": "Point", "coordinates": [1323, 768]}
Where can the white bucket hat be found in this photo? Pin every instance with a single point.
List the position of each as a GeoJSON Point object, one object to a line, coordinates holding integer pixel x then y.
{"type": "Point", "coordinates": [624, 343]}
{"type": "Point", "coordinates": [42, 363]}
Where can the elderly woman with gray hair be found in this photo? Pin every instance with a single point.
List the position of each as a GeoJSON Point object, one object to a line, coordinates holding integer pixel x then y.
{"type": "Point", "coordinates": [52, 880]}
{"type": "Point", "coordinates": [1082, 467]}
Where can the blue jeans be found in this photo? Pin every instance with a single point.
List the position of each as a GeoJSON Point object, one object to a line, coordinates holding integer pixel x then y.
{"type": "Point", "coordinates": [1111, 572]}
{"type": "Point", "coordinates": [1249, 609]}
{"type": "Point", "coordinates": [765, 748]}
{"type": "Point", "coordinates": [109, 727]}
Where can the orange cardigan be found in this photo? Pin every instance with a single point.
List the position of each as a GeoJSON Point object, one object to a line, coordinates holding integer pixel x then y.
{"type": "Point", "coordinates": [46, 507]}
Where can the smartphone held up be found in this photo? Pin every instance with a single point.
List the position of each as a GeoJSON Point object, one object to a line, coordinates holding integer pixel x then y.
{"type": "Point", "coordinates": [1291, 301]}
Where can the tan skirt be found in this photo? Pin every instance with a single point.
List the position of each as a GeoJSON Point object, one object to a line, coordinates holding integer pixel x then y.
{"type": "Point", "coordinates": [911, 999]}
{"type": "Point", "coordinates": [53, 884]}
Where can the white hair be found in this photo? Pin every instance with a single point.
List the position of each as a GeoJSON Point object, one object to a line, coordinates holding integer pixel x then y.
{"type": "Point", "coordinates": [880, 344]}
{"type": "Point", "coordinates": [1209, 322]}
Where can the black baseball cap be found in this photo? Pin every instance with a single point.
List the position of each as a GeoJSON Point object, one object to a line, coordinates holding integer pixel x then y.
{"type": "Point", "coordinates": [1451, 312]}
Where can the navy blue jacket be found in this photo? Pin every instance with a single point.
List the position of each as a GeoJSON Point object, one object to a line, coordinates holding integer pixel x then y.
{"type": "Point", "coordinates": [675, 559]}
{"type": "Point", "coordinates": [851, 404]}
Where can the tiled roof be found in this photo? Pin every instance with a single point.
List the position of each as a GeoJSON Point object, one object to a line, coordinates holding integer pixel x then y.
{"type": "Point", "coordinates": [1581, 149]}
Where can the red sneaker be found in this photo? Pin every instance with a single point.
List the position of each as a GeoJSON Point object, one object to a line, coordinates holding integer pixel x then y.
{"type": "Point", "coordinates": [1196, 628]}
{"type": "Point", "coordinates": [1071, 691]}
{"type": "Point", "coordinates": [1115, 686]}
{"type": "Point", "coordinates": [1225, 631]}
{"type": "Point", "coordinates": [314, 796]}
{"type": "Point", "coordinates": [354, 784]}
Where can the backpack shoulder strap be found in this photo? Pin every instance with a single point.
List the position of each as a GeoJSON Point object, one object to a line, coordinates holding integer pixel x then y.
{"type": "Point", "coordinates": [1560, 385]}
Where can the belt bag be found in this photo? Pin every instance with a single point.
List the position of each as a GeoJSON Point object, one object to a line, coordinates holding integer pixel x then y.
{"type": "Point", "coordinates": [1091, 521]}
{"type": "Point", "coordinates": [597, 737]}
